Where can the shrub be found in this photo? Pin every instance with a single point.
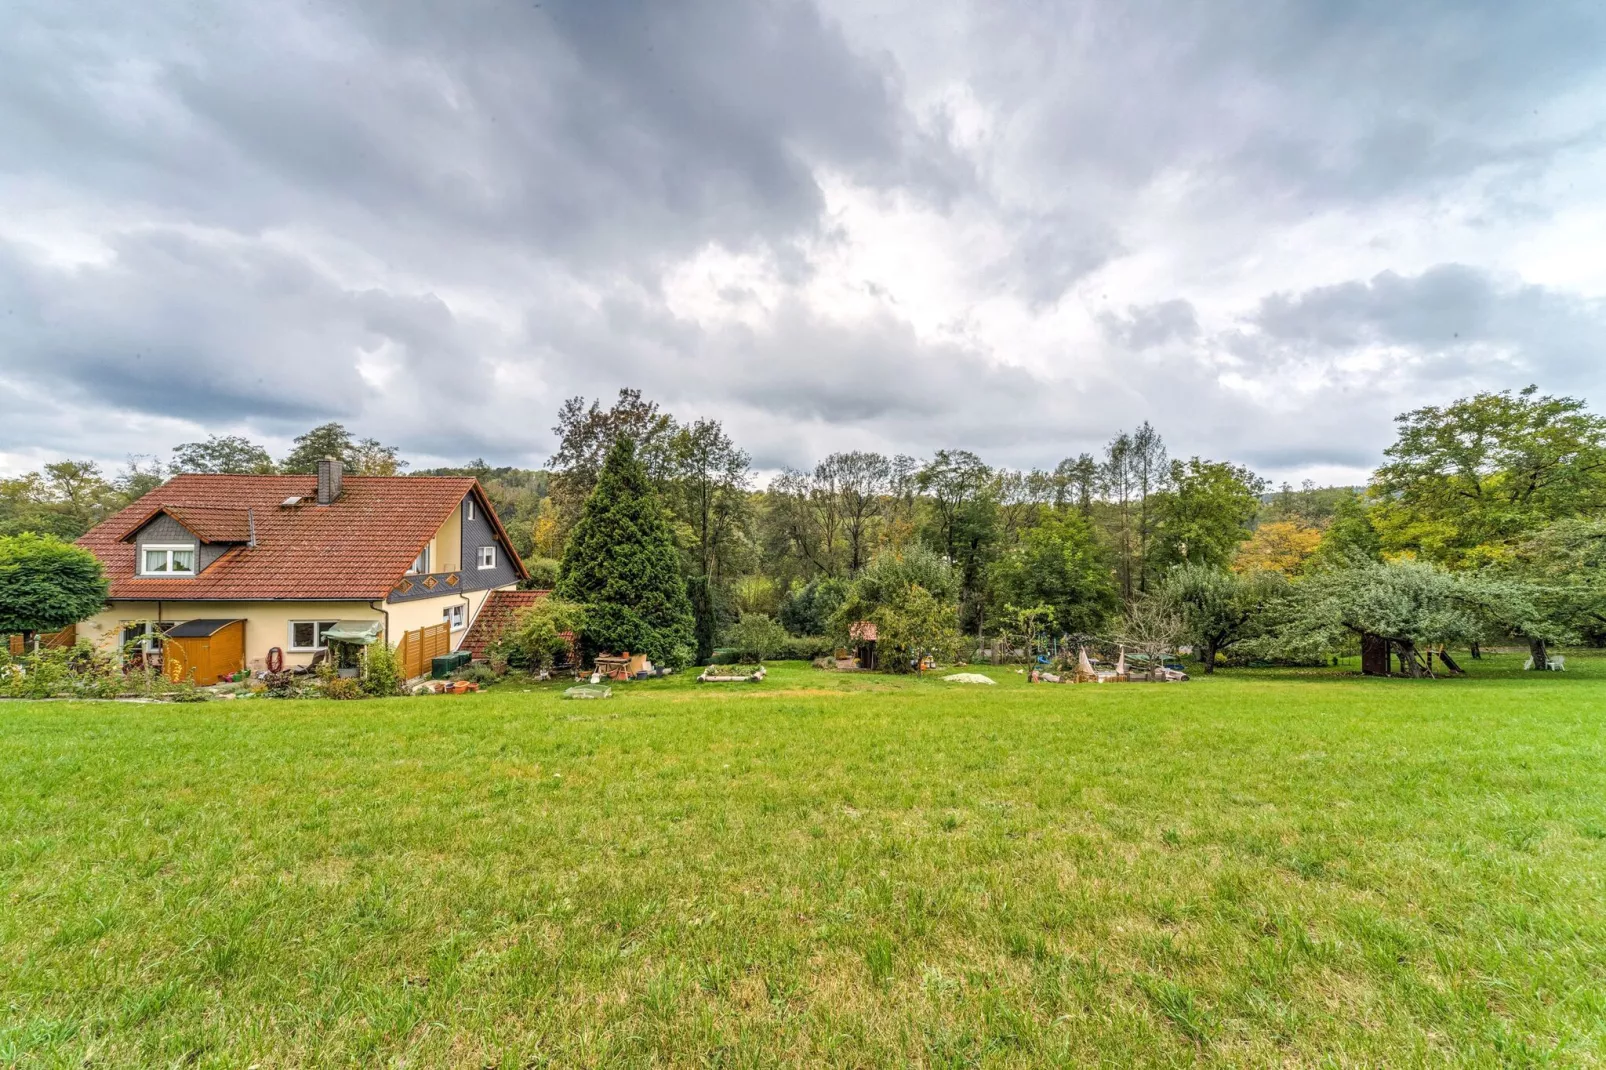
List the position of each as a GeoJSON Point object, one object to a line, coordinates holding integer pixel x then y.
{"type": "Point", "coordinates": [805, 648]}
{"type": "Point", "coordinates": [186, 691]}
{"type": "Point", "coordinates": [381, 672]}
{"type": "Point", "coordinates": [70, 672]}
{"type": "Point", "coordinates": [286, 684]}
{"type": "Point", "coordinates": [475, 674]}
{"type": "Point", "coordinates": [537, 639]}
{"type": "Point", "coordinates": [343, 687]}
{"type": "Point", "coordinates": [755, 637]}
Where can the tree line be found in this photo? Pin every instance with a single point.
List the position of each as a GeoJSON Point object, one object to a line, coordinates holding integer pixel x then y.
{"type": "Point", "coordinates": [1487, 512]}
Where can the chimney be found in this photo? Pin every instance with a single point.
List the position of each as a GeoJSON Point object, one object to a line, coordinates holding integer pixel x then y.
{"type": "Point", "coordinates": [330, 469]}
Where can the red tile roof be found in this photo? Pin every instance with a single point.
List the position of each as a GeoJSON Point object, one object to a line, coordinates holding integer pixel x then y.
{"type": "Point", "coordinates": [355, 548]}
{"type": "Point", "coordinates": [500, 610]}
{"type": "Point", "coordinates": [210, 523]}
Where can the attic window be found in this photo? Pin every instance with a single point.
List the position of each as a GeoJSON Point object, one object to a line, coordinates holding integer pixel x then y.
{"type": "Point", "coordinates": [291, 502]}
{"type": "Point", "coordinates": [487, 557]}
{"type": "Point", "coordinates": [468, 509]}
{"type": "Point", "coordinates": [420, 563]}
{"type": "Point", "coordinates": [167, 560]}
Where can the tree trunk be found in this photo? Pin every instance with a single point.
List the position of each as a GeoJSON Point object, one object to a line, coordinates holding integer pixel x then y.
{"type": "Point", "coordinates": [1541, 657]}
{"type": "Point", "coordinates": [1209, 656]}
{"type": "Point", "coordinates": [1374, 655]}
{"type": "Point", "coordinates": [1410, 661]}
{"type": "Point", "coordinates": [1477, 651]}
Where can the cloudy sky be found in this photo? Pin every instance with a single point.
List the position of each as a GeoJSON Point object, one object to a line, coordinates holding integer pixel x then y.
{"type": "Point", "coordinates": [1015, 226]}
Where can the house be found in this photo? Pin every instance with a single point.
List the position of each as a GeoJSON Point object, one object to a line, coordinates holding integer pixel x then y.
{"type": "Point", "coordinates": [297, 560]}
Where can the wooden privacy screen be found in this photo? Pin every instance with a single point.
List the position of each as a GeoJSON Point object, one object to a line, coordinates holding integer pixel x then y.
{"type": "Point", "coordinates": [419, 646]}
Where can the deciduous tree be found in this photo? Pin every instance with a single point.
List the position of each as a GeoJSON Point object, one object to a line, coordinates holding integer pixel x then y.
{"type": "Point", "coordinates": [1221, 608]}
{"type": "Point", "coordinates": [1463, 479]}
{"type": "Point", "coordinates": [47, 584]}
{"type": "Point", "coordinates": [1059, 563]}
{"type": "Point", "coordinates": [1206, 513]}
{"type": "Point", "coordinates": [222, 455]}
{"type": "Point", "coordinates": [1277, 546]}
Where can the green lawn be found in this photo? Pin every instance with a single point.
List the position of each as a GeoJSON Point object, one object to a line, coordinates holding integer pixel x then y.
{"type": "Point", "coordinates": [1259, 869]}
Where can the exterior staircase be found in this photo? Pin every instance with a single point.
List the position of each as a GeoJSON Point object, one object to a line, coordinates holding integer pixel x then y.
{"type": "Point", "coordinates": [500, 610]}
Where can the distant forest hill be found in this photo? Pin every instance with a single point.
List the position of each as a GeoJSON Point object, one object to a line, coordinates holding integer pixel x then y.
{"type": "Point", "coordinates": [1312, 504]}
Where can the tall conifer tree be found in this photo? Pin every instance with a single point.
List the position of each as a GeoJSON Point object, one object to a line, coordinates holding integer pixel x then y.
{"type": "Point", "coordinates": [622, 562]}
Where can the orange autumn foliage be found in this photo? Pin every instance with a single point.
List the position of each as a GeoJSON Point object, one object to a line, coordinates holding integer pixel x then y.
{"type": "Point", "coordinates": [1280, 546]}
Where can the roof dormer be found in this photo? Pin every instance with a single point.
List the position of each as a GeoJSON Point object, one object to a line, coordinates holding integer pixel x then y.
{"type": "Point", "coordinates": [178, 541]}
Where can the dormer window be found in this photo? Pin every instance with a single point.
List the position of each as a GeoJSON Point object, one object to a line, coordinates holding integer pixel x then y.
{"type": "Point", "coordinates": [420, 563]}
{"type": "Point", "coordinates": [156, 560]}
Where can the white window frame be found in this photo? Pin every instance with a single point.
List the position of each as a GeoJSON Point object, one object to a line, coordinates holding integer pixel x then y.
{"type": "Point", "coordinates": [420, 565]}
{"type": "Point", "coordinates": [151, 630]}
{"type": "Point", "coordinates": [318, 628]}
{"type": "Point", "coordinates": [487, 556]}
{"type": "Point", "coordinates": [168, 548]}
{"type": "Point", "coordinates": [468, 509]}
{"type": "Point", "coordinates": [457, 616]}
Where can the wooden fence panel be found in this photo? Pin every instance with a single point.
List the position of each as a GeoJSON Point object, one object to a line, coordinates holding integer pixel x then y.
{"type": "Point", "coordinates": [47, 640]}
{"type": "Point", "coordinates": [437, 642]}
{"type": "Point", "coordinates": [419, 646]}
{"type": "Point", "coordinates": [407, 652]}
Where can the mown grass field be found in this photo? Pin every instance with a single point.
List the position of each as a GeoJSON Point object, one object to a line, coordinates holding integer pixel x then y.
{"type": "Point", "coordinates": [1291, 869]}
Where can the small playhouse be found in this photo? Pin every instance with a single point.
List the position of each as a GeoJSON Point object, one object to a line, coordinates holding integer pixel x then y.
{"type": "Point", "coordinates": [862, 633]}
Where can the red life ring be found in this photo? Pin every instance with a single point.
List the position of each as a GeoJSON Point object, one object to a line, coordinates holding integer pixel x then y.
{"type": "Point", "coordinates": [275, 660]}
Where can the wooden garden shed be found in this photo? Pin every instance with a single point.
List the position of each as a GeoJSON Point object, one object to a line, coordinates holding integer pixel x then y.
{"type": "Point", "coordinates": [211, 649]}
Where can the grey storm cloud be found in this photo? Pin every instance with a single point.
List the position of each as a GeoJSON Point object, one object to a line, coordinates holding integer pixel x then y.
{"type": "Point", "coordinates": [1451, 311]}
{"type": "Point", "coordinates": [1292, 103]}
{"type": "Point", "coordinates": [436, 221]}
{"type": "Point", "coordinates": [180, 328]}
{"type": "Point", "coordinates": [1147, 326]}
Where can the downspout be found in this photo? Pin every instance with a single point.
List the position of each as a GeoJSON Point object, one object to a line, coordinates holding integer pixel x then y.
{"type": "Point", "coordinates": [386, 614]}
{"type": "Point", "coordinates": [467, 623]}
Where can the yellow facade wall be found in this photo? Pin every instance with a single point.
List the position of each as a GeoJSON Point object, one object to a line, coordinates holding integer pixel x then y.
{"type": "Point", "coordinates": [267, 624]}
{"type": "Point", "coordinates": [446, 548]}
{"type": "Point", "coordinates": [423, 612]}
